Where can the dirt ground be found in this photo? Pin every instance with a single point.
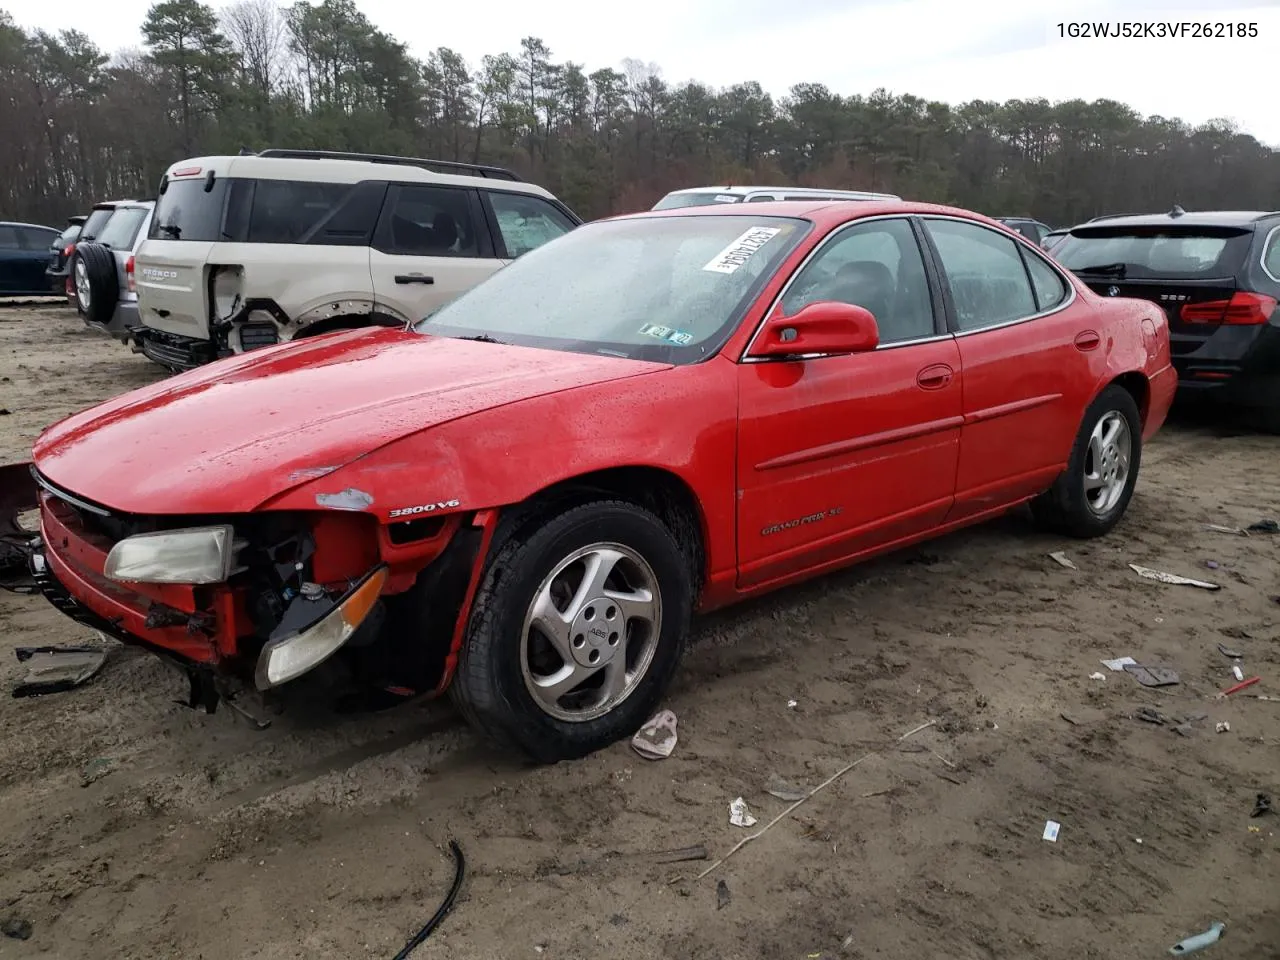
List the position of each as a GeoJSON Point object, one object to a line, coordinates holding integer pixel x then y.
{"type": "Point", "coordinates": [132, 827]}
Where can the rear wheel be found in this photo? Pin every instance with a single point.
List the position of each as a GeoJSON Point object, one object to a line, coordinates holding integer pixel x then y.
{"type": "Point", "coordinates": [576, 631]}
{"type": "Point", "coordinates": [1092, 494]}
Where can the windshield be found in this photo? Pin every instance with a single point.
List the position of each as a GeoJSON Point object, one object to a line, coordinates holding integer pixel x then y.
{"type": "Point", "coordinates": [673, 201]}
{"type": "Point", "coordinates": [667, 289]}
{"type": "Point", "coordinates": [1161, 252]}
{"type": "Point", "coordinates": [122, 228]}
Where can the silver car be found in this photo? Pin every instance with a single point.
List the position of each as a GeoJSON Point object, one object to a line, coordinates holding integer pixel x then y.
{"type": "Point", "coordinates": [102, 270]}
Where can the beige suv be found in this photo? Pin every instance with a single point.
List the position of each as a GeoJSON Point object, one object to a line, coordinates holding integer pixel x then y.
{"type": "Point", "coordinates": [256, 249]}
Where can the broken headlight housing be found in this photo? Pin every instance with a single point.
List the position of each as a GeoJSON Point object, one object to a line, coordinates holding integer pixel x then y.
{"type": "Point", "coordinates": [194, 555]}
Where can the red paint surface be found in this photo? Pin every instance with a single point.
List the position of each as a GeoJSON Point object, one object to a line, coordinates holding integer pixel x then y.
{"type": "Point", "coordinates": [889, 446]}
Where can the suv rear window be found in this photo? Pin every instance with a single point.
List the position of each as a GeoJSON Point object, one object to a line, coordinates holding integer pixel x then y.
{"type": "Point", "coordinates": [122, 228]}
{"type": "Point", "coordinates": [186, 210]}
{"type": "Point", "coordinates": [242, 210]}
{"type": "Point", "coordinates": [1157, 251]}
{"type": "Point", "coordinates": [97, 220]}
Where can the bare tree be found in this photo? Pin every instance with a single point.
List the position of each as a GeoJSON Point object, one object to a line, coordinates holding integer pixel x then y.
{"type": "Point", "coordinates": [259, 32]}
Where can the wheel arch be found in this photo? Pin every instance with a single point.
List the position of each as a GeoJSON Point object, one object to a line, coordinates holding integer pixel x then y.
{"type": "Point", "coordinates": [663, 492]}
{"type": "Point", "coordinates": [345, 321]}
{"type": "Point", "coordinates": [1138, 387]}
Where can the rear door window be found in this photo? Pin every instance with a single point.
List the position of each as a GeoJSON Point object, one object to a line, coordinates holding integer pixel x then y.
{"type": "Point", "coordinates": [9, 238]}
{"type": "Point", "coordinates": [984, 272]}
{"type": "Point", "coordinates": [430, 221]}
{"type": "Point", "coordinates": [526, 223]}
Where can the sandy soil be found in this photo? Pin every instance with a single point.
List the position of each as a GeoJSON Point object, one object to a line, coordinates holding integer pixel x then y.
{"type": "Point", "coordinates": [131, 827]}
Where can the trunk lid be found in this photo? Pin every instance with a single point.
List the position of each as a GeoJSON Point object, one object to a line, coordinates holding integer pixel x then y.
{"type": "Point", "coordinates": [1185, 303]}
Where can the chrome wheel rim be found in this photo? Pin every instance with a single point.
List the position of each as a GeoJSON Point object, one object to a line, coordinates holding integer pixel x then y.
{"type": "Point", "coordinates": [1106, 467]}
{"type": "Point", "coordinates": [82, 285]}
{"type": "Point", "coordinates": [591, 631]}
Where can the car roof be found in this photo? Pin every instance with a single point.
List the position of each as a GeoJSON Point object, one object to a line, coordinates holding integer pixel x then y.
{"type": "Point", "coordinates": [1195, 218]}
{"type": "Point", "coordinates": [815, 191]}
{"type": "Point", "coordinates": [37, 226]}
{"type": "Point", "coordinates": [824, 213]}
{"type": "Point", "coordinates": [333, 170]}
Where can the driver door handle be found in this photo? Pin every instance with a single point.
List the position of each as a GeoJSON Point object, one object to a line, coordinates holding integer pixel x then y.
{"type": "Point", "coordinates": [413, 278]}
{"type": "Point", "coordinates": [934, 377]}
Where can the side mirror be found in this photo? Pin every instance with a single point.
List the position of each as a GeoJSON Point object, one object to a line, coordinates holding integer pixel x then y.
{"type": "Point", "coordinates": [823, 327]}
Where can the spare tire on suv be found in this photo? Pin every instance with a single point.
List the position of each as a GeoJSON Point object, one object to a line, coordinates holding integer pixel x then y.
{"type": "Point", "coordinates": [94, 283]}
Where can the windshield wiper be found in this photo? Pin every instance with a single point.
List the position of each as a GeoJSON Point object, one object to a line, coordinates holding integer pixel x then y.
{"type": "Point", "coordinates": [171, 230]}
{"type": "Point", "coordinates": [483, 338]}
{"type": "Point", "coordinates": [1117, 270]}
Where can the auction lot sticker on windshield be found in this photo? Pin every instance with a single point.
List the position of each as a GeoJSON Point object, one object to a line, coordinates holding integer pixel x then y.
{"type": "Point", "coordinates": [741, 250]}
{"type": "Point", "coordinates": [678, 337]}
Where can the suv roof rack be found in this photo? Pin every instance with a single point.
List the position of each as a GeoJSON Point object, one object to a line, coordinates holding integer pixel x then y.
{"type": "Point", "coordinates": [454, 166]}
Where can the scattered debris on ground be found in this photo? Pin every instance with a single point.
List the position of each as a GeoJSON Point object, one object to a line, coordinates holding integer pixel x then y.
{"type": "Point", "coordinates": [1172, 578]}
{"type": "Point", "coordinates": [57, 669]}
{"type": "Point", "coordinates": [1199, 941]}
{"type": "Point", "coordinates": [657, 738]}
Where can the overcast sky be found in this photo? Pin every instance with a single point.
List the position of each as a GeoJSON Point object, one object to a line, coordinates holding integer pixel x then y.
{"type": "Point", "coordinates": [952, 50]}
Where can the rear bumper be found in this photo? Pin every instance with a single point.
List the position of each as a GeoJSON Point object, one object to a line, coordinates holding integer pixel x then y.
{"type": "Point", "coordinates": [173, 350]}
{"type": "Point", "coordinates": [122, 321]}
{"type": "Point", "coordinates": [1237, 365]}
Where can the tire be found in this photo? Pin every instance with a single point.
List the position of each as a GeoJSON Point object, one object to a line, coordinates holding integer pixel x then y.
{"type": "Point", "coordinates": [1065, 508]}
{"type": "Point", "coordinates": [94, 283]}
{"type": "Point", "coordinates": [498, 665]}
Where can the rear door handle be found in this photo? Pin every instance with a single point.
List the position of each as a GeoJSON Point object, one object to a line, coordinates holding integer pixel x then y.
{"type": "Point", "coordinates": [413, 278]}
{"type": "Point", "coordinates": [934, 377]}
{"type": "Point", "coordinates": [1088, 340]}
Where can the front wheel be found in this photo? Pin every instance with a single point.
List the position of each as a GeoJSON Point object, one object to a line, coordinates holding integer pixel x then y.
{"type": "Point", "coordinates": [1092, 494]}
{"type": "Point", "coordinates": [575, 632]}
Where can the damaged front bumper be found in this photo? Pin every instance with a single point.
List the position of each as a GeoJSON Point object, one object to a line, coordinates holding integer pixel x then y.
{"type": "Point", "coordinates": [223, 636]}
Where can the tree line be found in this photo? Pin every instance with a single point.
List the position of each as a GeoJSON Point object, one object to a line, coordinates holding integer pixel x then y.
{"type": "Point", "coordinates": [85, 126]}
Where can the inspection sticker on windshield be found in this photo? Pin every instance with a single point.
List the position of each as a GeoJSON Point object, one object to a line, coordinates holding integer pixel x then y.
{"type": "Point", "coordinates": [741, 250]}
{"type": "Point", "coordinates": [678, 337]}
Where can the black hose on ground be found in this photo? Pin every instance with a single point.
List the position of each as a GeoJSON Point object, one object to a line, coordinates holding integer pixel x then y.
{"type": "Point", "coordinates": [445, 907]}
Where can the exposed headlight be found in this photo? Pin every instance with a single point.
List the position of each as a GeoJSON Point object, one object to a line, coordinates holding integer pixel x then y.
{"type": "Point", "coordinates": [289, 657]}
{"type": "Point", "coordinates": [226, 290]}
{"type": "Point", "coordinates": [193, 555]}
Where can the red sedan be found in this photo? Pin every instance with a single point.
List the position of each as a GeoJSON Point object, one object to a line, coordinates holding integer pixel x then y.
{"type": "Point", "coordinates": [524, 497]}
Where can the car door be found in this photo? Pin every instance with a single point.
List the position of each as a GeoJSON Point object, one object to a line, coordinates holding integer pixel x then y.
{"type": "Point", "coordinates": [1026, 346]}
{"type": "Point", "coordinates": [11, 259]}
{"type": "Point", "coordinates": [521, 222]}
{"type": "Point", "coordinates": [431, 245]}
{"type": "Point", "coordinates": [35, 244]}
{"type": "Point", "coordinates": [840, 454]}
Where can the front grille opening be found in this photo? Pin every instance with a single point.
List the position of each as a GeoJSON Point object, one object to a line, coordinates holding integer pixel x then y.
{"type": "Point", "coordinates": [255, 335]}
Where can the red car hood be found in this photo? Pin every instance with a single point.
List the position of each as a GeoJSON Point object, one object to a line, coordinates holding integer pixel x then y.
{"type": "Point", "coordinates": [226, 438]}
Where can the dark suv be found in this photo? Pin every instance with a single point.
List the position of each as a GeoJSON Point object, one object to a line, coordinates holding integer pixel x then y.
{"type": "Point", "coordinates": [1217, 276]}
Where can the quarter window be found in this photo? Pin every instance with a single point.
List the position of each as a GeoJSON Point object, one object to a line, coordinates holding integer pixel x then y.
{"type": "Point", "coordinates": [429, 222]}
{"type": "Point", "coordinates": [1050, 290]}
{"type": "Point", "coordinates": [1271, 256]}
{"type": "Point", "coordinates": [876, 265]}
{"type": "Point", "coordinates": [9, 238]}
{"type": "Point", "coordinates": [984, 273]}
{"type": "Point", "coordinates": [526, 223]}
{"type": "Point", "coordinates": [288, 211]}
